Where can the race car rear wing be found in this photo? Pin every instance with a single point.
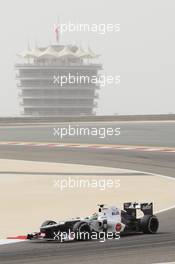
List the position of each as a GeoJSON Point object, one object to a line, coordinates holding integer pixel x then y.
{"type": "Point", "coordinates": [146, 208]}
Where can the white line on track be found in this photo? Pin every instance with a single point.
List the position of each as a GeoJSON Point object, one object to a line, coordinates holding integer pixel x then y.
{"type": "Point", "coordinates": [10, 241]}
{"type": "Point", "coordinates": [164, 263]}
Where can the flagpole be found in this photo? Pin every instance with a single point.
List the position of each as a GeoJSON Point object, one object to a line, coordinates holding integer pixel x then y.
{"type": "Point", "coordinates": [58, 27]}
{"type": "Point", "coordinates": [57, 32]}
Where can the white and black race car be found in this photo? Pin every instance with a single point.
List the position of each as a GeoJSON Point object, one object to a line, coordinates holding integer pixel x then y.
{"type": "Point", "coordinates": [109, 220]}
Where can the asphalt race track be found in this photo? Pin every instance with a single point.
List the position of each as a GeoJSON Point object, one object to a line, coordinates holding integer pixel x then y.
{"type": "Point", "coordinates": [159, 133]}
{"type": "Point", "coordinates": [131, 249]}
{"type": "Point", "coordinates": [159, 248]}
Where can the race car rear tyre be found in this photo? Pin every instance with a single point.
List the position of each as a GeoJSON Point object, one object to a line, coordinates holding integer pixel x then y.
{"type": "Point", "coordinates": [82, 231]}
{"type": "Point", "coordinates": [149, 224]}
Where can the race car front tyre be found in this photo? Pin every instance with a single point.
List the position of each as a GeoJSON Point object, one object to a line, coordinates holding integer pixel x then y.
{"type": "Point", "coordinates": [149, 224]}
{"type": "Point", "coordinates": [49, 233]}
{"type": "Point", "coordinates": [82, 231]}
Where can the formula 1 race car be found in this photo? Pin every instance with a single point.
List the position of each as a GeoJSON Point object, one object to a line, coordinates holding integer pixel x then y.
{"type": "Point", "coordinates": [107, 220]}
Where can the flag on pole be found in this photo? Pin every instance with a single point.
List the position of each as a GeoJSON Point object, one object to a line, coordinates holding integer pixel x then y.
{"type": "Point", "coordinates": [56, 30]}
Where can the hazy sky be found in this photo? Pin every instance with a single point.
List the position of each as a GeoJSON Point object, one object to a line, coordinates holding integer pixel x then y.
{"type": "Point", "coordinates": [142, 52]}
